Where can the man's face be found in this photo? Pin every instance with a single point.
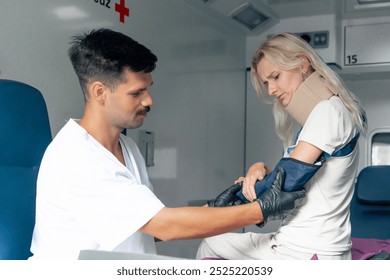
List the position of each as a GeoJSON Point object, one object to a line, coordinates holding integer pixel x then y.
{"type": "Point", "coordinates": [127, 105]}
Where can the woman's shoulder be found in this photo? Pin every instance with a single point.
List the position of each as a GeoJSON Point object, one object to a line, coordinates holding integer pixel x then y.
{"type": "Point", "coordinates": [329, 126]}
{"type": "Point", "coordinates": [332, 109]}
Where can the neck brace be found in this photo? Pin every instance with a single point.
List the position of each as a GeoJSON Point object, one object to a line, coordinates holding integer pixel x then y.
{"type": "Point", "coordinates": [312, 91]}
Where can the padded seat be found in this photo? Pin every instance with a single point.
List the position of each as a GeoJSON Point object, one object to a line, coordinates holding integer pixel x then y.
{"type": "Point", "coordinates": [370, 206]}
{"type": "Point", "coordinates": [25, 134]}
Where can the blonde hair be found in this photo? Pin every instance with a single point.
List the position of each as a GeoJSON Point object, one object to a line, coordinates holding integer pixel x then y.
{"type": "Point", "coordinates": [285, 52]}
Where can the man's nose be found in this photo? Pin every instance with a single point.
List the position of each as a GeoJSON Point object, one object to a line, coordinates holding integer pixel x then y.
{"type": "Point", "coordinates": [147, 99]}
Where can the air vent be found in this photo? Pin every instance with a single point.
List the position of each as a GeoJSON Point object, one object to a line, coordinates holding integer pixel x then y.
{"type": "Point", "coordinates": [249, 16]}
{"type": "Point", "coordinates": [207, 1]}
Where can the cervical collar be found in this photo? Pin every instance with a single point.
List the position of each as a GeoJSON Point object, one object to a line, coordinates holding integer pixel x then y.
{"type": "Point", "coordinates": [307, 96]}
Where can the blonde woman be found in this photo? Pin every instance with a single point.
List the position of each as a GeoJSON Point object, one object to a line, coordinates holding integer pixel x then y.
{"type": "Point", "coordinates": [322, 157]}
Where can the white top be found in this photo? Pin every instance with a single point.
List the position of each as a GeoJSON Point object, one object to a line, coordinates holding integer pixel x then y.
{"type": "Point", "coordinates": [87, 199]}
{"type": "Point", "coordinates": [321, 224]}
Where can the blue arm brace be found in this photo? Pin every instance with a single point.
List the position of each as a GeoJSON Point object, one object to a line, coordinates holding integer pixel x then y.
{"type": "Point", "coordinates": [298, 173]}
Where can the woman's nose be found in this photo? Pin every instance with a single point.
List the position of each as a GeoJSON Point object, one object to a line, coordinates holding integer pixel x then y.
{"type": "Point", "coordinates": [271, 89]}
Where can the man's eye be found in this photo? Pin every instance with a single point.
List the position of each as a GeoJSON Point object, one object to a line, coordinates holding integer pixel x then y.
{"type": "Point", "coordinates": [135, 94]}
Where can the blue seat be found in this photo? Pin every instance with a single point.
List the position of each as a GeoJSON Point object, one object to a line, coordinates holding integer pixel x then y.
{"type": "Point", "coordinates": [24, 136]}
{"type": "Point", "coordinates": [370, 206]}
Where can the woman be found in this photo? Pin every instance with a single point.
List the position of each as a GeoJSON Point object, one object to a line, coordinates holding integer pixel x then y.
{"type": "Point", "coordinates": [306, 91]}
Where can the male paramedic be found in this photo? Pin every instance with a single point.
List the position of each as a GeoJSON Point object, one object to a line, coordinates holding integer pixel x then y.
{"type": "Point", "coordinates": [93, 190]}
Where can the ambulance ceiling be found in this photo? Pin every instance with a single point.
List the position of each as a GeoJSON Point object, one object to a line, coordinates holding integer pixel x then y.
{"type": "Point", "coordinates": [256, 16]}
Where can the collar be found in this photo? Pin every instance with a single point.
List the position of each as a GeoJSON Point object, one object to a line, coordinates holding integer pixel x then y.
{"type": "Point", "coordinates": [311, 92]}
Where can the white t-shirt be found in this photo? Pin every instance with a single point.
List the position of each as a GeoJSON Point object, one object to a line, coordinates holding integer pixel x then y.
{"type": "Point", "coordinates": [87, 199]}
{"type": "Point", "coordinates": [321, 224]}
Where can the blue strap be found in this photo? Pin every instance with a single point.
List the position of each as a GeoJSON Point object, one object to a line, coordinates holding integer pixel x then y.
{"type": "Point", "coordinates": [346, 150]}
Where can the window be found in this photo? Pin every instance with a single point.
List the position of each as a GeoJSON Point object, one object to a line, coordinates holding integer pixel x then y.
{"type": "Point", "coordinates": [379, 147]}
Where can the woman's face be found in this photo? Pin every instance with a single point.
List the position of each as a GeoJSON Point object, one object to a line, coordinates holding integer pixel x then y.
{"type": "Point", "coordinates": [281, 84]}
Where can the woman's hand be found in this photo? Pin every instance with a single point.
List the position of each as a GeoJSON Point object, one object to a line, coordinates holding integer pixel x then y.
{"type": "Point", "coordinates": [256, 172]}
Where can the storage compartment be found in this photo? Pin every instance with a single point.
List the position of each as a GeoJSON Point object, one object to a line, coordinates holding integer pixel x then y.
{"type": "Point", "coordinates": [367, 45]}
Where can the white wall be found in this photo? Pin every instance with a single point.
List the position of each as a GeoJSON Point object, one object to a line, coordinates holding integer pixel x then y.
{"type": "Point", "coordinates": [198, 117]}
{"type": "Point", "coordinates": [375, 97]}
{"type": "Point", "coordinates": [300, 25]}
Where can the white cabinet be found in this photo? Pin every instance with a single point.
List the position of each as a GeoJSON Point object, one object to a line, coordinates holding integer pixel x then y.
{"type": "Point", "coordinates": [367, 45]}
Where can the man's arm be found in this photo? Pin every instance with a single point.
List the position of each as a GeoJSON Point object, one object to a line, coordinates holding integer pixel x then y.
{"type": "Point", "coordinates": [199, 222]}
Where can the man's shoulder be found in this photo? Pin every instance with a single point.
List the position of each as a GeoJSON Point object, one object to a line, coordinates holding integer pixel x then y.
{"type": "Point", "coordinates": [67, 141]}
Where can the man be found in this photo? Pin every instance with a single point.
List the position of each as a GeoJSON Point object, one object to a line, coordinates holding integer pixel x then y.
{"type": "Point", "coordinates": [93, 190]}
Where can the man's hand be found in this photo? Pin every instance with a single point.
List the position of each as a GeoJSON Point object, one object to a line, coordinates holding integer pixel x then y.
{"type": "Point", "coordinates": [227, 197]}
{"type": "Point", "coordinates": [274, 202]}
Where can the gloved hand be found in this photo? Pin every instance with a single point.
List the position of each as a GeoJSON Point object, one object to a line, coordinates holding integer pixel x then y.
{"type": "Point", "coordinates": [274, 202]}
{"type": "Point", "coordinates": [227, 198]}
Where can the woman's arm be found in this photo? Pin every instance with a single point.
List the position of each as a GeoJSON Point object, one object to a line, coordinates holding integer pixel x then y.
{"type": "Point", "coordinates": [306, 152]}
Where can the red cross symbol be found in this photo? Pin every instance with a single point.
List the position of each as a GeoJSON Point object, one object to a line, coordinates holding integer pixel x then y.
{"type": "Point", "coordinates": [122, 10]}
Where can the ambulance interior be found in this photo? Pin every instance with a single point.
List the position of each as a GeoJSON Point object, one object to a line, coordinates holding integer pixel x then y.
{"type": "Point", "coordinates": [204, 130]}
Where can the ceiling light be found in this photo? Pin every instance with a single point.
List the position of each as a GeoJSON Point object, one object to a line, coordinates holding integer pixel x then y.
{"type": "Point", "coordinates": [363, 2]}
{"type": "Point", "coordinates": [70, 13]}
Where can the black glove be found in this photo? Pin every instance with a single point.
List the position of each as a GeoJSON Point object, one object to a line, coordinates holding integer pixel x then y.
{"type": "Point", "coordinates": [274, 202]}
{"type": "Point", "coordinates": [227, 198]}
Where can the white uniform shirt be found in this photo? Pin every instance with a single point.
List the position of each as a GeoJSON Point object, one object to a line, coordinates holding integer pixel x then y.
{"type": "Point", "coordinates": [321, 225]}
{"type": "Point", "coordinates": [87, 199]}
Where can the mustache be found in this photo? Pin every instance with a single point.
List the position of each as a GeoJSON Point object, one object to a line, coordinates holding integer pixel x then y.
{"type": "Point", "coordinates": [143, 111]}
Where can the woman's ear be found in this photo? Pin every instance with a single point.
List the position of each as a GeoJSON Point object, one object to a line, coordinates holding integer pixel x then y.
{"type": "Point", "coordinates": [305, 67]}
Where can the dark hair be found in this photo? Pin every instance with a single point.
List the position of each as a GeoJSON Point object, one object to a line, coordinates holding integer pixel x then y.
{"type": "Point", "coordinates": [103, 55]}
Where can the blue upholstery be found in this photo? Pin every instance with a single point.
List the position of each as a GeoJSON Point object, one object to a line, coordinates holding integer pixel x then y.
{"type": "Point", "coordinates": [370, 206]}
{"type": "Point", "coordinates": [24, 136]}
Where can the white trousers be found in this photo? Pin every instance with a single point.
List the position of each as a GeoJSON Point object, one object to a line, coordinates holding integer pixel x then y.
{"type": "Point", "coordinates": [254, 246]}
